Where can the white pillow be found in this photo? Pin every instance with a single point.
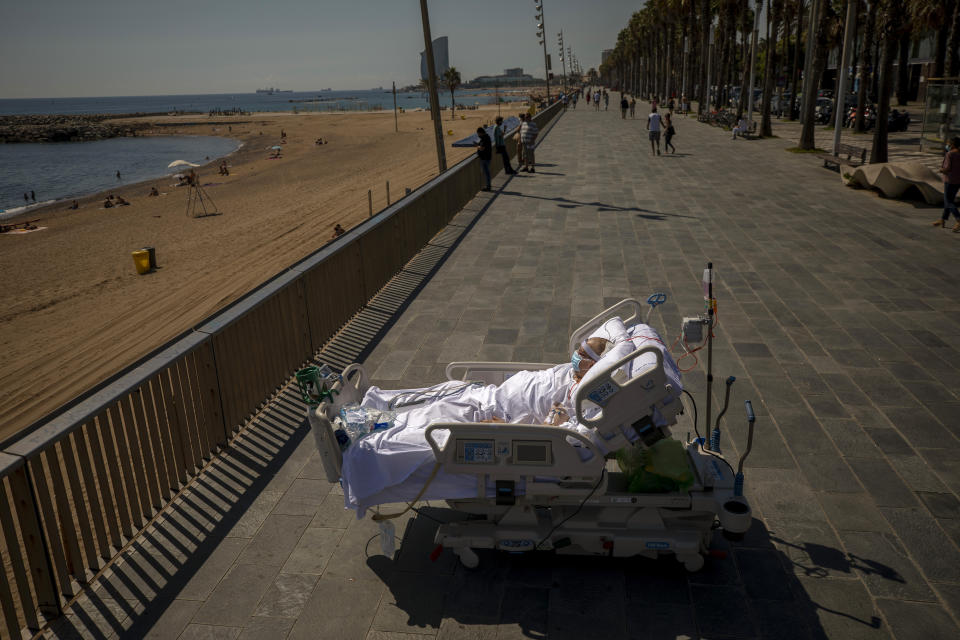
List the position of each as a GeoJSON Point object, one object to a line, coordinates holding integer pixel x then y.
{"type": "Point", "coordinates": [618, 351]}
{"type": "Point", "coordinates": [613, 330]}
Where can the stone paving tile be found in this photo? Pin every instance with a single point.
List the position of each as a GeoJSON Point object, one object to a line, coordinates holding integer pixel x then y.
{"type": "Point", "coordinates": [918, 620]}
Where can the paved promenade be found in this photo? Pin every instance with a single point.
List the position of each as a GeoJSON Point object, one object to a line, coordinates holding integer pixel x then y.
{"type": "Point", "coordinates": [838, 314]}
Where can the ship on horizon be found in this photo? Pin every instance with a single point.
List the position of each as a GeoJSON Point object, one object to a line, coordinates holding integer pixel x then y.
{"type": "Point", "coordinates": [272, 90]}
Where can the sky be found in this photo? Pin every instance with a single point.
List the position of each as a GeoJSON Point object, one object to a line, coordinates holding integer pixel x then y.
{"type": "Point", "coordinates": [81, 48]}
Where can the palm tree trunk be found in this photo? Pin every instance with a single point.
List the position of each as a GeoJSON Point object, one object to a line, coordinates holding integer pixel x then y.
{"type": "Point", "coordinates": [868, 30]}
{"type": "Point", "coordinates": [953, 43]}
{"type": "Point", "coordinates": [903, 69]}
{"type": "Point", "coordinates": [746, 28]}
{"type": "Point", "coordinates": [819, 62]}
{"type": "Point", "coordinates": [795, 71]}
{"type": "Point", "coordinates": [893, 18]}
{"type": "Point", "coordinates": [706, 21]}
{"type": "Point", "coordinates": [773, 12]}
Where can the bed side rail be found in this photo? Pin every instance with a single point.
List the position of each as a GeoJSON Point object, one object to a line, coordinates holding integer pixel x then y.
{"type": "Point", "coordinates": [490, 372]}
{"type": "Point", "coordinates": [625, 404]}
{"type": "Point", "coordinates": [618, 310]}
{"type": "Point", "coordinates": [350, 388]}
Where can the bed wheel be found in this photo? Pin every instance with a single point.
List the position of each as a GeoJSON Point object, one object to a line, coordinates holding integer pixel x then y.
{"type": "Point", "coordinates": [468, 558]}
{"type": "Point", "coordinates": [692, 563]}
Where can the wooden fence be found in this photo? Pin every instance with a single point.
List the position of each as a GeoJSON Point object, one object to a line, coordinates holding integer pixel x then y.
{"type": "Point", "coordinates": [84, 483]}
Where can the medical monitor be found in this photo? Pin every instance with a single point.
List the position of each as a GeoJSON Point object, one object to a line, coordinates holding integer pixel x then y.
{"type": "Point", "coordinates": [532, 452]}
{"type": "Point", "coordinates": [475, 451]}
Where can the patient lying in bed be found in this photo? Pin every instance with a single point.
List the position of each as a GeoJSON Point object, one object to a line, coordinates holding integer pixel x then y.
{"type": "Point", "coordinates": [393, 465]}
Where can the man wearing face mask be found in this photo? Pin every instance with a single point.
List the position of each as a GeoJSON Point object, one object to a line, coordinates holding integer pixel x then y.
{"type": "Point", "coordinates": [588, 354]}
{"type": "Point", "coordinates": [951, 183]}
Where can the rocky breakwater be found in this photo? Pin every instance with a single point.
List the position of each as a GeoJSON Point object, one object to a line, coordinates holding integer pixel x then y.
{"type": "Point", "coordinates": [67, 128]}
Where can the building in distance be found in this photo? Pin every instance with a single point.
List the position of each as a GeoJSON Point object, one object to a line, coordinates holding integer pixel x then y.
{"type": "Point", "coordinates": [441, 58]}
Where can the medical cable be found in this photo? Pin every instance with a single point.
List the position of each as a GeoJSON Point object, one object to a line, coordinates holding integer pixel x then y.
{"type": "Point", "coordinates": [583, 502]}
{"type": "Point", "coordinates": [694, 411]}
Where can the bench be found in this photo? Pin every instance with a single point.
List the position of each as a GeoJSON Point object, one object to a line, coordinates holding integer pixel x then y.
{"type": "Point", "coordinates": [855, 157]}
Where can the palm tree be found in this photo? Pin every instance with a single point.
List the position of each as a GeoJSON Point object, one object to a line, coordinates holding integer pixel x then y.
{"type": "Point", "coordinates": [451, 77]}
{"type": "Point", "coordinates": [821, 49]}
{"type": "Point", "coordinates": [953, 42]}
{"type": "Point", "coordinates": [891, 23]}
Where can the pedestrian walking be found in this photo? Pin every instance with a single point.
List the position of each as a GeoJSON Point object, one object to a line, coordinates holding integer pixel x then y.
{"type": "Point", "coordinates": [624, 105]}
{"type": "Point", "coordinates": [26, 198]}
{"type": "Point", "coordinates": [588, 98]}
{"type": "Point", "coordinates": [528, 134]}
{"type": "Point", "coordinates": [668, 133]}
{"type": "Point", "coordinates": [519, 140]}
{"type": "Point", "coordinates": [633, 106]}
{"type": "Point", "coordinates": [118, 174]}
{"type": "Point", "coordinates": [596, 100]}
{"type": "Point", "coordinates": [33, 196]}
{"type": "Point", "coordinates": [501, 146]}
{"type": "Point", "coordinates": [485, 153]}
{"type": "Point", "coordinates": [606, 101]}
{"type": "Point", "coordinates": [653, 125]}
{"type": "Point", "coordinates": [951, 183]}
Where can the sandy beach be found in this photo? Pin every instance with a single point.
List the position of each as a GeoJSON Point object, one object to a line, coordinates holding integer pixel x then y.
{"type": "Point", "coordinates": [74, 310]}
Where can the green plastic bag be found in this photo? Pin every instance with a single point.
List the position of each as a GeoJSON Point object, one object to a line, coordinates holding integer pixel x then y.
{"type": "Point", "coordinates": [663, 468]}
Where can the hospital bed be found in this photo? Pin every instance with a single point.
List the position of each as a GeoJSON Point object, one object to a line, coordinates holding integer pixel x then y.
{"type": "Point", "coordinates": [549, 488]}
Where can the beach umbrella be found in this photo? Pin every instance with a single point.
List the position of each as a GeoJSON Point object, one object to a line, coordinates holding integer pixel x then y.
{"type": "Point", "coordinates": [181, 163]}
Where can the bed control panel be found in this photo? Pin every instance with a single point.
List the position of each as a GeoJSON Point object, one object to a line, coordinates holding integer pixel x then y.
{"type": "Point", "coordinates": [482, 451]}
{"type": "Point", "coordinates": [500, 451]}
{"type": "Point", "coordinates": [475, 451]}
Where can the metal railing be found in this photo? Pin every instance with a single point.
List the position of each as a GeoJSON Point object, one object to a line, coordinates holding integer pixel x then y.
{"type": "Point", "coordinates": [76, 489]}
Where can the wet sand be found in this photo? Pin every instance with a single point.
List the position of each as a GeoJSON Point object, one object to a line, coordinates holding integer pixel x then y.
{"type": "Point", "coordinates": [73, 309]}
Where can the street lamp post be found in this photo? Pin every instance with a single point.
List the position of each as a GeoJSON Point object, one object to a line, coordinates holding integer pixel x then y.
{"type": "Point", "coordinates": [541, 31]}
{"type": "Point", "coordinates": [563, 60]}
{"type": "Point", "coordinates": [432, 86]}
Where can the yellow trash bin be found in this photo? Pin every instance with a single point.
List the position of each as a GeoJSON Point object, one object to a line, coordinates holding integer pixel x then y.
{"type": "Point", "coordinates": [141, 260]}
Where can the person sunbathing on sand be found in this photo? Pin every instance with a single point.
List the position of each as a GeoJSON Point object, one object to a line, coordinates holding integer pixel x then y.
{"type": "Point", "coordinates": [337, 231]}
{"type": "Point", "coordinates": [121, 202]}
{"type": "Point", "coordinates": [154, 192]}
{"type": "Point", "coordinates": [107, 203]}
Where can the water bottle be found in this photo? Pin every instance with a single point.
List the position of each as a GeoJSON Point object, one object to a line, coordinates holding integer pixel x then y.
{"type": "Point", "coordinates": [355, 420]}
{"type": "Point", "coordinates": [388, 544]}
{"type": "Point", "coordinates": [383, 420]}
{"type": "Point", "coordinates": [340, 433]}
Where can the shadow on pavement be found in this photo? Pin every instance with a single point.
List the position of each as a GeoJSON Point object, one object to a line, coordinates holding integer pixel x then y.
{"type": "Point", "coordinates": [567, 203]}
{"type": "Point", "coordinates": [750, 588]}
{"type": "Point", "coordinates": [148, 577]}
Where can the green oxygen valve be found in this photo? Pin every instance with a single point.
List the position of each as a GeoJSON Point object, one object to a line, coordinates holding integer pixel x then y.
{"type": "Point", "coordinates": [316, 384]}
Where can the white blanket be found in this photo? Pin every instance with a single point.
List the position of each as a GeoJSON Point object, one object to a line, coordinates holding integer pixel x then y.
{"type": "Point", "coordinates": [393, 465]}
